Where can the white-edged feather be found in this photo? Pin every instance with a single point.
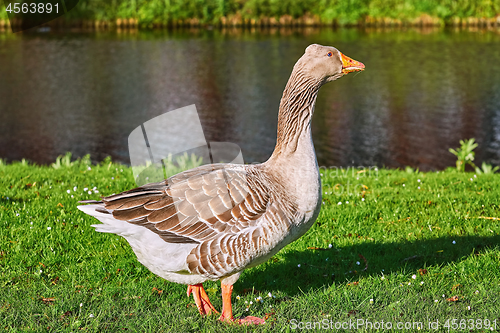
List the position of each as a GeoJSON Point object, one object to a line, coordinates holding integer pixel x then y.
{"type": "Point", "coordinates": [166, 260]}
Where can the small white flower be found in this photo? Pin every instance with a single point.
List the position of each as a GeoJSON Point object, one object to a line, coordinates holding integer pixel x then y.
{"type": "Point", "coordinates": [330, 246]}
{"type": "Point", "coordinates": [74, 189]}
{"type": "Point", "coordinates": [476, 292]}
{"type": "Point", "coordinates": [358, 263]}
{"type": "Point", "coordinates": [371, 300]}
{"type": "Point", "coordinates": [17, 214]}
{"type": "Point", "coordinates": [91, 316]}
{"type": "Point", "coordinates": [362, 199]}
{"type": "Point", "coordinates": [96, 191]}
{"type": "Point", "coordinates": [251, 302]}
{"type": "Point", "coordinates": [347, 202]}
{"type": "Point", "coordinates": [340, 203]}
{"type": "Point", "coordinates": [298, 265]}
{"type": "Point", "coordinates": [40, 271]}
{"type": "Point", "coordinates": [48, 228]}
{"type": "Point", "coordinates": [81, 304]}
{"type": "Point", "coordinates": [444, 296]}
{"type": "Point", "coordinates": [258, 299]}
{"type": "Point", "coordinates": [114, 178]}
{"type": "Point", "coordinates": [72, 196]}
{"type": "Point", "coordinates": [69, 191]}
{"type": "Point", "coordinates": [89, 168]}
{"type": "Point", "coordinates": [246, 302]}
{"type": "Point", "coordinates": [475, 176]}
{"type": "Point", "coordinates": [409, 283]}
{"type": "Point", "coordinates": [238, 297]}
{"type": "Point", "coordinates": [85, 189]}
{"type": "Point", "coordinates": [327, 259]}
{"type": "Point", "coordinates": [468, 308]}
{"type": "Point", "coordinates": [422, 282]}
{"type": "Point", "coordinates": [382, 278]}
{"type": "Point", "coordinates": [435, 301]}
{"type": "Point", "coordinates": [413, 276]}
{"type": "Point", "coordinates": [31, 223]}
{"type": "Point", "coordinates": [418, 180]}
{"type": "Point", "coordinates": [404, 185]}
{"type": "Point", "coordinates": [269, 294]}
{"type": "Point", "coordinates": [90, 192]}
{"type": "Point", "coordinates": [453, 242]}
{"type": "Point", "coordinates": [419, 187]}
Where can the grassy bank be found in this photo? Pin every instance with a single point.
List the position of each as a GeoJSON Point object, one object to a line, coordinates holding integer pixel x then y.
{"type": "Point", "coordinates": [388, 245]}
{"type": "Point", "coordinates": [150, 13]}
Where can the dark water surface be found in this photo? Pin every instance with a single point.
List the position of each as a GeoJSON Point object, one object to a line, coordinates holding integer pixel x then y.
{"type": "Point", "coordinates": [421, 93]}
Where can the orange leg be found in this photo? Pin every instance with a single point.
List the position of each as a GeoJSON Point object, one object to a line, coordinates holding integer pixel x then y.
{"type": "Point", "coordinates": [201, 299]}
{"type": "Point", "coordinates": [227, 310]}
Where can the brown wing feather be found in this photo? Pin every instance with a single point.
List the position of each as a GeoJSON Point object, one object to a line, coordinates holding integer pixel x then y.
{"type": "Point", "coordinates": [193, 206]}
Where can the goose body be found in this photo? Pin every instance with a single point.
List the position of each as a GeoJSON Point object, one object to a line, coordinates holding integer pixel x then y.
{"type": "Point", "coordinates": [214, 221]}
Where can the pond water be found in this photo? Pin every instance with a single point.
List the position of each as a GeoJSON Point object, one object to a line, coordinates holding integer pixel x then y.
{"type": "Point", "coordinates": [422, 91]}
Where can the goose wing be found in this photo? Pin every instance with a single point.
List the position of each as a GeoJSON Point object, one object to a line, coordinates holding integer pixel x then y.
{"type": "Point", "coordinates": [194, 206]}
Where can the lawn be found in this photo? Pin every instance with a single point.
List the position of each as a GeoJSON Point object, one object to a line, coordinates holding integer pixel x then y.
{"type": "Point", "coordinates": [409, 249]}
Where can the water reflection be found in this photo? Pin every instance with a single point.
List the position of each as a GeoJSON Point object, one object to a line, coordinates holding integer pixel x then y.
{"type": "Point", "coordinates": [422, 92]}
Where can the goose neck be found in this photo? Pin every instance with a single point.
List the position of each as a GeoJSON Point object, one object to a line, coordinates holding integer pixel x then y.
{"type": "Point", "coordinates": [295, 113]}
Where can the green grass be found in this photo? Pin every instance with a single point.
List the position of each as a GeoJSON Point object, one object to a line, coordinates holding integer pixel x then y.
{"type": "Point", "coordinates": [92, 281]}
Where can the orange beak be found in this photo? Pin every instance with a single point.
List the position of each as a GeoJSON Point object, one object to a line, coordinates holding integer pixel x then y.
{"type": "Point", "coordinates": [350, 65]}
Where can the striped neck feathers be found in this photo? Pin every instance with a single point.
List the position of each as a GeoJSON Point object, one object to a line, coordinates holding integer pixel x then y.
{"type": "Point", "coordinates": [296, 110]}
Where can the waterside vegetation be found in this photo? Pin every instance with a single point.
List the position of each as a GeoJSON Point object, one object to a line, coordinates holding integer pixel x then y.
{"type": "Point", "coordinates": [160, 13]}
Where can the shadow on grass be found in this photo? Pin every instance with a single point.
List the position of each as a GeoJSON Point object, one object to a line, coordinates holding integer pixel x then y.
{"type": "Point", "coordinates": [322, 267]}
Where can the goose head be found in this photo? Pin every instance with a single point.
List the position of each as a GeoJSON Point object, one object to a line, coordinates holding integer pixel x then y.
{"type": "Point", "coordinates": [326, 63]}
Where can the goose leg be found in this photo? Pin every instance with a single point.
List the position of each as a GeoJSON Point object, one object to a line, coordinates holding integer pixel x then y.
{"type": "Point", "coordinates": [227, 310]}
{"type": "Point", "coordinates": [201, 299]}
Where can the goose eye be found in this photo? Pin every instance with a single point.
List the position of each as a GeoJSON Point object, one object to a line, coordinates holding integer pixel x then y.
{"type": "Point", "coordinates": [329, 54]}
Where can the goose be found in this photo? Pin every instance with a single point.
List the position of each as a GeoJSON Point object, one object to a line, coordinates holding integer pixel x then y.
{"type": "Point", "coordinates": [214, 221]}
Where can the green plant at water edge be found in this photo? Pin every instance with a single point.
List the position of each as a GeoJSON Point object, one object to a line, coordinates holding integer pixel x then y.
{"type": "Point", "coordinates": [486, 169]}
{"type": "Point", "coordinates": [169, 166]}
{"type": "Point", "coordinates": [85, 160]}
{"type": "Point", "coordinates": [409, 169]}
{"type": "Point", "coordinates": [63, 161]}
{"type": "Point", "coordinates": [181, 163]}
{"type": "Point", "coordinates": [465, 154]}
